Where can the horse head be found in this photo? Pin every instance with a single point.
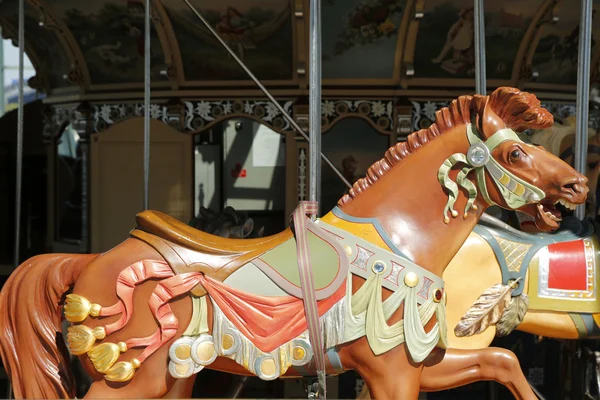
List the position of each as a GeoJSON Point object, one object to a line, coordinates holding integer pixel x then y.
{"type": "Point", "coordinates": [505, 171]}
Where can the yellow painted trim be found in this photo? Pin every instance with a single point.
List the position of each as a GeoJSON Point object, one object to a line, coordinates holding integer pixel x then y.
{"type": "Point", "coordinates": [364, 231]}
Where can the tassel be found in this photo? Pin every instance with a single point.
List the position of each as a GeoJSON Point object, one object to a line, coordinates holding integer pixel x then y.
{"type": "Point", "coordinates": [77, 308]}
{"type": "Point", "coordinates": [123, 370]}
{"type": "Point", "coordinates": [81, 338]}
{"type": "Point", "coordinates": [486, 311]}
{"type": "Point", "coordinates": [105, 355]}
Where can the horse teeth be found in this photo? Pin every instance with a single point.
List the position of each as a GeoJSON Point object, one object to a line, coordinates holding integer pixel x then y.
{"type": "Point", "coordinates": [567, 204]}
{"type": "Point", "coordinates": [552, 216]}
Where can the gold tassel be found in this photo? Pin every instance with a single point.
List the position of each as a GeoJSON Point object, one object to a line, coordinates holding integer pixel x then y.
{"type": "Point", "coordinates": [81, 338]}
{"type": "Point", "coordinates": [123, 370]}
{"type": "Point", "coordinates": [77, 308]}
{"type": "Point", "coordinates": [103, 356]}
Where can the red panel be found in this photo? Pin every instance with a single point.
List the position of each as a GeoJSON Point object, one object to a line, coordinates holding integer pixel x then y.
{"type": "Point", "coordinates": [567, 269]}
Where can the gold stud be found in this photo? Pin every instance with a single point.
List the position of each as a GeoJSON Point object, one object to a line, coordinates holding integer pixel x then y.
{"type": "Point", "coordinates": [183, 351]}
{"type": "Point", "coordinates": [136, 363]}
{"type": "Point", "coordinates": [298, 353]}
{"type": "Point", "coordinates": [227, 341]}
{"type": "Point", "coordinates": [411, 279]}
{"type": "Point", "coordinates": [268, 367]}
{"type": "Point", "coordinates": [348, 250]}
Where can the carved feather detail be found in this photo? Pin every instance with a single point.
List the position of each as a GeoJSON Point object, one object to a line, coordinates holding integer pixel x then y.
{"type": "Point", "coordinates": [486, 311]}
{"type": "Point", "coordinates": [513, 315]}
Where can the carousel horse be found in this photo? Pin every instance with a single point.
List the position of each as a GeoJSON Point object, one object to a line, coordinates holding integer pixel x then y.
{"type": "Point", "coordinates": [549, 282]}
{"type": "Point", "coordinates": [317, 296]}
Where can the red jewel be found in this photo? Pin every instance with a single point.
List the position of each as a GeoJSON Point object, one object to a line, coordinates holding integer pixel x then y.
{"type": "Point", "coordinates": [438, 295]}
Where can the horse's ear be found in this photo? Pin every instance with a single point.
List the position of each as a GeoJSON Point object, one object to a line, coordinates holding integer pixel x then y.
{"type": "Point", "coordinates": [490, 122]}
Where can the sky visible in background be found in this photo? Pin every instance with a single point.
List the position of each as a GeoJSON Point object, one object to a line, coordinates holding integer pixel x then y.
{"type": "Point", "coordinates": [11, 62]}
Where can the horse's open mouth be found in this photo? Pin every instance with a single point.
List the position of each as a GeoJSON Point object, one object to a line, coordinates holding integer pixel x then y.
{"type": "Point", "coordinates": [549, 214]}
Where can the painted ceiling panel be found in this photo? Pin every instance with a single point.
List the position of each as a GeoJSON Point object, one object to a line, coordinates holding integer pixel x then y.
{"type": "Point", "coordinates": [259, 31]}
{"type": "Point", "coordinates": [49, 54]}
{"type": "Point", "coordinates": [556, 54]}
{"type": "Point", "coordinates": [445, 41]}
{"type": "Point", "coordinates": [110, 34]}
{"type": "Point", "coordinates": [360, 38]}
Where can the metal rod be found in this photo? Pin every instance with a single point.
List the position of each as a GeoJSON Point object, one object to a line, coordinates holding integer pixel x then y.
{"type": "Point", "coordinates": [583, 92]}
{"type": "Point", "coordinates": [2, 95]}
{"type": "Point", "coordinates": [314, 133]}
{"type": "Point", "coordinates": [20, 110]}
{"type": "Point", "coordinates": [479, 25]}
{"type": "Point", "coordinates": [147, 106]}
{"type": "Point", "coordinates": [314, 126]}
{"type": "Point", "coordinates": [265, 91]}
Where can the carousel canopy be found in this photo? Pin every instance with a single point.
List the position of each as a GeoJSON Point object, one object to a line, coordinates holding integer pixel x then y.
{"type": "Point", "coordinates": [90, 48]}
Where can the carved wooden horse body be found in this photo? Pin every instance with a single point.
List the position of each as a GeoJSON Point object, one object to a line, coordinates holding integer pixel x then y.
{"type": "Point", "coordinates": [237, 305]}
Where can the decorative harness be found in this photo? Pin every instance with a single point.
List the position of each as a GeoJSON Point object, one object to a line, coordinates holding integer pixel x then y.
{"type": "Point", "coordinates": [515, 191]}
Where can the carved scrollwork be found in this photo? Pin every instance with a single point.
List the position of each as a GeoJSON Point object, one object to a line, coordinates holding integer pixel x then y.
{"type": "Point", "coordinates": [202, 114]}
{"type": "Point", "coordinates": [379, 113]}
{"type": "Point", "coordinates": [424, 113]}
{"type": "Point", "coordinates": [105, 115]}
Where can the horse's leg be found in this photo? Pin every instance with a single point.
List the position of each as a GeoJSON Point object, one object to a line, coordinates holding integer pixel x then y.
{"type": "Point", "coordinates": [182, 389]}
{"type": "Point", "coordinates": [391, 375]}
{"type": "Point", "coordinates": [454, 368]}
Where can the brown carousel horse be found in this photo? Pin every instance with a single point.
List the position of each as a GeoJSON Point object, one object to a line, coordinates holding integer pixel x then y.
{"type": "Point", "coordinates": [237, 305]}
{"type": "Point", "coordinates": [555, 297]}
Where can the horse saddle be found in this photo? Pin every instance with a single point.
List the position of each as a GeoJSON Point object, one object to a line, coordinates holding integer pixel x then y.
{"type": "Point", "coordinates": [187, 249]}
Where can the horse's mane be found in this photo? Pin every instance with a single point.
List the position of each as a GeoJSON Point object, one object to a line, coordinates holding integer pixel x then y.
{"type": "Point", "coordinates": [518, 110]}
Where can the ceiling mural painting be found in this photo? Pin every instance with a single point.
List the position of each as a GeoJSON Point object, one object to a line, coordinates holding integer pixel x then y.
{"type": "Point", "coordinates": [555, 57]}
{"type": "Point", "coordinates": [260, 32]}
{"type": "Point", "coordinates": [360, 38]}
{"type": "Point", "coordinates": [50, 56]}
{"type": "Point", "coordinates": [111, 37]}
{"type": "Point", "coordinates": [445, 42]}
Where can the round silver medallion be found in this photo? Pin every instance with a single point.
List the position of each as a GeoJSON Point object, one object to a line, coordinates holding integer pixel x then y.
{"type": "Point", "coordinates": [378, 267]}
{"type": "Point", "coordinates": [478, 155]}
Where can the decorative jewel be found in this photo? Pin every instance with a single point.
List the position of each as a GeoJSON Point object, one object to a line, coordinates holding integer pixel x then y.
{"type": "Point", "coordinates": [411, 279]}
{"type": "Point", "coordinates": [378, 267]}
{"type": "Point", "coordinates": [478, 155]}
{"type": "Point", "coordinates": [438, 295]}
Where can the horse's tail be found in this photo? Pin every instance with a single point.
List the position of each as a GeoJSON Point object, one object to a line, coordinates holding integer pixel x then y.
{"type": "Point", "coordinates": [31, 345]}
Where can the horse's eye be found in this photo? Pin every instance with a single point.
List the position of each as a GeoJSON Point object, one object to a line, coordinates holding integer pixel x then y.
{"type": "Point", "coordinates": [515, 155]}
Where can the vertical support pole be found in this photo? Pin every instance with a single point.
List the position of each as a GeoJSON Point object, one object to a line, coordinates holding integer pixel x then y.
{"type": "Point", "coordinates": [583, 92]}
{"type": "Point", "coordinates": [314, 126]}
{"type": "Point", "coordinates": [2, 94]}
{"type": "Point", "coordinates": [314, 188]}
{"type": "Point", "coordinates": [19, 182]}
{"type": "Point", "coordinates": [84, 129]}
{"type": "Point", "coordinates": [479, 25]}
{"type": "Point", "coordinates": [147, 105]}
